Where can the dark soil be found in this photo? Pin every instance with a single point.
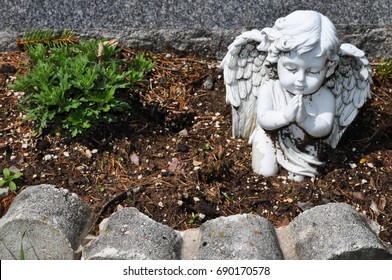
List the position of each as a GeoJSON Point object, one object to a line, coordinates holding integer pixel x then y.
{"type": "Point", "coordinates": [174, 159]}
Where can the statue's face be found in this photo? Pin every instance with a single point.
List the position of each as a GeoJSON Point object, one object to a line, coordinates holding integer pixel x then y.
{"type": "Point", "coordinates": [302, 74]}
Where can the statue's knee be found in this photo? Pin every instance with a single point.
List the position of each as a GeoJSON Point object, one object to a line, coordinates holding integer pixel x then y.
{"type": "Point", "coordinates": [267, 169]}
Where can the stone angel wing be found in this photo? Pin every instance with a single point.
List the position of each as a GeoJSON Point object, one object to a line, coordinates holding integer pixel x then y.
{"type": "Point", "coordinates": [351, 85]}
{"type": "Point", "coordinates": [244, 69]}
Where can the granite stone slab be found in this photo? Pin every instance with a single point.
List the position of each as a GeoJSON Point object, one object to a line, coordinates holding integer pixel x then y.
{"type": "Point", "coordinates": [49, 222]}
{"type": "Point", "coordinates": [331, 231]}
{"type": "Point", "coordinates": [129, 234]}
{"type": "Point", "coordinates": [202, 26]}
{"type": "Point", "coordinates": [238, 237]}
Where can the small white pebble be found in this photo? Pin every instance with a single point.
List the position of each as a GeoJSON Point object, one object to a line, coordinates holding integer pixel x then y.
{"type": "Point", "coordinates": [66, 154]}
{"type": "Point", "coordinates": [35, 176]}
{"type": "Point", "coordinates": [353, 165]}
{"type": "Point", "coordinates": [160, 204]}
{"type": "Point", "coordinates": [48, 157]}
{"type": "Point", "coordinates": [12, 157]}
{"type": "Point", "coordinates": [370, 165]}
{"type": "Point", "coordinates": [94, 151]}
{"type": "Point", "coordinates": [196, 199]}
{"type": "Point", "coordinates": [364, 181]}
{"type": "Point", "coordinates": [88, 153]}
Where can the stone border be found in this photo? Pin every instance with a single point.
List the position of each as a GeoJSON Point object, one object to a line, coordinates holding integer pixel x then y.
{"type": "Point", "coordinates": [54, 223]}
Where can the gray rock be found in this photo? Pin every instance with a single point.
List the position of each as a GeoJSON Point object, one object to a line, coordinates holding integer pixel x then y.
{"type": "Point", "coordinates": [238, 237]}
{"type": "Point", "coordinates": [208, 83]}
{"type": "Point", "coordinates": [331, 231]}
{"type": "Point", "coordinates": [53, 222]}
{"type": "Point", "coordinates": [4, 192]}
{"type": "Point", "coordinates": [129, 234]}
{"type": "Point", "coordinates": [203, 26]}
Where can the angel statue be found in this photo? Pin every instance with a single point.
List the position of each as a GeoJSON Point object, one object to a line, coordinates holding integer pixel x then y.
{"type": "Point", "coordinates": [292, 88]}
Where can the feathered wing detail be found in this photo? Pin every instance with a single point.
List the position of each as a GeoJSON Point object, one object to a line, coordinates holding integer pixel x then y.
{"type": "Point", "coordinates": [244, 71]}
{"type": "Point", "coordinates": [351, 85]}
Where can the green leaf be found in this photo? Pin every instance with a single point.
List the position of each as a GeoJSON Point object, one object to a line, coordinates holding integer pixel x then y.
{"type": "Point", "coordinates": [7, 173]}
{"type": "Point", "coordinates": [17, 175]}
{"type": "Point", "coordinates": [2, 182]}
{"type": "Point", "coordinates": [21, 252]}
{"type": "Point", "coordinates": [73, 105]}
{"type": "Point", "coordinates": [12, 186]}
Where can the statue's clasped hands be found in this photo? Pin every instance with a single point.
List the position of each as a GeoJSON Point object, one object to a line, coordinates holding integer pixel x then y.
{"type": "Point", "coordinates": [295, 110]}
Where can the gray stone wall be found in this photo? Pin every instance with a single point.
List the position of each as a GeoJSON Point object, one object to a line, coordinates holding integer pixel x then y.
{"type": "Point", "coordinates": [202, 26]}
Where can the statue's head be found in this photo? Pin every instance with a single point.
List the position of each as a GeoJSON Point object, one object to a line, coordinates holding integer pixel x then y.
{"type": "Point", "coordinates": [304, 43]}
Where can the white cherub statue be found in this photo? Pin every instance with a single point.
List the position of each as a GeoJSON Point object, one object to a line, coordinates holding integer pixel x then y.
{"type": "Point", "coordinates": [292, 87]}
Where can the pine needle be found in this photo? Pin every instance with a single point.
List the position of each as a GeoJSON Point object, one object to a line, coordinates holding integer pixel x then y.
{"type": "Point", "coordinates": [48, 37]}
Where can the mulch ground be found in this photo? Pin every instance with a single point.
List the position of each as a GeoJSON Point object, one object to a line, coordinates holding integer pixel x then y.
{"type": "Point", "coordinates": [174, 159]}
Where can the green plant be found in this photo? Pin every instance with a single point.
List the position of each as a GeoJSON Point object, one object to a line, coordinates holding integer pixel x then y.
{"type": "Point", "coordinates": [384, 69]}
{"type": "Point", "coordinates": [21, 251]}
{"type": "Point", "coordinates": [192, 220]}
{"type": "Point", "coordinates": [77, 87]}
{"type": "Point", "coordinates": [9, 178]}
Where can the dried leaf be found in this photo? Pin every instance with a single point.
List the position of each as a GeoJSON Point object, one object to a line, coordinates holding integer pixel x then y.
{"type": "Point", "coordinates": [176, 165]}
{"type": "Point", "coordinates": [219, 154]}
{"type": "Point", "coordinates": [197, 163]}
{"type": "Point", "coordinates": [112, 42]}
{"type": "Point", "coordinates": [100, 50]}
{"type": "Point", "coordinates": [358, 195]}
{"type": "Point", "coordinates": [382, 203]}
{"type": "Point", "coordinates": [135, 159]}
{"type": "Point", "coordinates": [374, 207]}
